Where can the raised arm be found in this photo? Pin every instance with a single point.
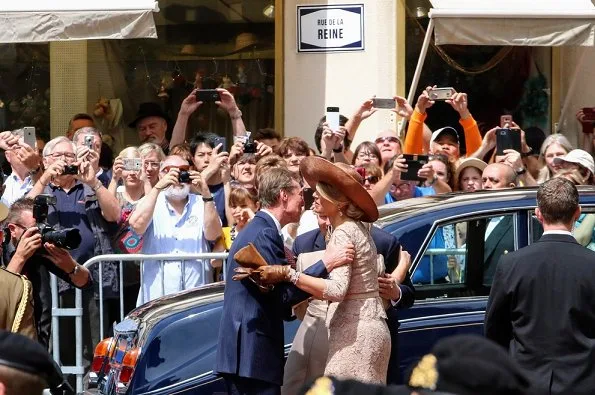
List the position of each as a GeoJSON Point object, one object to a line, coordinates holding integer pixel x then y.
{"type": "Point", "coordinates": [110, 208]}
{"type": "Point", "coordinates": [228, 103]}
{"type": "Point", "coordinates": [188, 106]}
{"type": "Point", "coordinates": [212, 223]}
{"type": "Point", "coordinates": [414, 139]}
{"type": "Point", "coordinates": [459, 103]}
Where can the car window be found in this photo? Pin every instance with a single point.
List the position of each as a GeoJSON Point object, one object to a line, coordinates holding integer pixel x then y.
{"type": "Point", "coordinates": [584, 228]}
{"type": "Point", "coordinates": [461, 257]}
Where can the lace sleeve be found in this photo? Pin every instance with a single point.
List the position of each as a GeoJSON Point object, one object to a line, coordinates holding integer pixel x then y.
{"type": "Point", "coordinates": [337, 283]}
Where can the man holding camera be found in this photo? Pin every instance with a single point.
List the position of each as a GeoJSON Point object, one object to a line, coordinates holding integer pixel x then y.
{"type": "Point", "coordinates": [35, 257]}
{"type": "Point", "coordinates": [175, 221]}
{"type": "Point", "coordinates": [25, 164]}
{"type": "Point", "coordinates": [82, 202]}
{"type": "Point", "coordinates": [88, 147]}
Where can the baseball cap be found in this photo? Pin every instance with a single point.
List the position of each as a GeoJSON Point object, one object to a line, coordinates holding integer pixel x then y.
{"type": "Point", "coordinates": [579, 157]}
{"type": "Point", "coordinates": [445, 130]}
{"type": "Point", "coordinates": [470, 162]}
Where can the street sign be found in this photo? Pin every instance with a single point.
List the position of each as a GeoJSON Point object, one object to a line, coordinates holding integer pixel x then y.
{"type": "Point", "coordinates": [330, 28]}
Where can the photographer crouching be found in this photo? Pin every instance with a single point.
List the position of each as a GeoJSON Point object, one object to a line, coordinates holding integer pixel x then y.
{"type": "Point", "coordinates": [37, 253]}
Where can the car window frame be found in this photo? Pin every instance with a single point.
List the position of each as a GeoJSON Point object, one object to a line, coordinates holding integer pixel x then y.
{"type": "Point", "coordinates": [516, 212]}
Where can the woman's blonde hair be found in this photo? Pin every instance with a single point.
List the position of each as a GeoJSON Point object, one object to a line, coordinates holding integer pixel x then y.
{"type": "Point", "coordinates": [335, 196]}
{"type": "Point", "coordinates": [129, 152]}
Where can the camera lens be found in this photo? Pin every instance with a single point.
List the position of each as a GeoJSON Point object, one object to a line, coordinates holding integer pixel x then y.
{"type": "Point", "coordinates": [64, 238]}
{"type": "Point", "coordinates": [184, 177]}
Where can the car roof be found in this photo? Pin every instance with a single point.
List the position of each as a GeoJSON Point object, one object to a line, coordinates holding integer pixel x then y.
{"type": "Point", "coordinates": [395, 212]}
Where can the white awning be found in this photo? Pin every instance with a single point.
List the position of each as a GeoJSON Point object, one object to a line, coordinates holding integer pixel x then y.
{"type": "Point", "coordinates": [514, 22]}
{"type": "Point", "coordinates": [62, 20]}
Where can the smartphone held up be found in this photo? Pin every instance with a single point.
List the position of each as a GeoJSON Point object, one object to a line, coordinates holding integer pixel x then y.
{"type": "Point", "coordinates": [332, 118]}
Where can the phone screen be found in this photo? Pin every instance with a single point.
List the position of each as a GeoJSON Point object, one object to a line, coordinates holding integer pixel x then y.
{"type": "Point", "coordinates": [384, 103]}
{"type": "Point", "coordinates": [414, 164]}
{"type": "Point", "coordinates": [507, 139]}
{"type": "Point", "coordinates": [332, 118]}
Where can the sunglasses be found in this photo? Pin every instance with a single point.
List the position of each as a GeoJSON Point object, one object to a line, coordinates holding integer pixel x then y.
{"type": "Point", "coordinates": [390, 139]}
{"type": "Point", "coordinates": [371, 179]}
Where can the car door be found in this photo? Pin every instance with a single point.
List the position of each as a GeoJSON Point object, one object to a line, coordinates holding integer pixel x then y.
{"type": "Point", "coordinates": [452, 275]}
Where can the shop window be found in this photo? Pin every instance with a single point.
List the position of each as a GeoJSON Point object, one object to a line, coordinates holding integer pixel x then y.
{"type": "Point", "coordinates": [498, 80]}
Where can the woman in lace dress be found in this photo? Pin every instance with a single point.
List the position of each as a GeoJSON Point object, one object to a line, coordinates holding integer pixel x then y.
{"type": "Point", "coordinates": [359, 340]}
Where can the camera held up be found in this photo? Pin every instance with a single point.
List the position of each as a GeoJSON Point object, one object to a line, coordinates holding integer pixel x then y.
{"type": "Point", "coordinates": [69, 238]}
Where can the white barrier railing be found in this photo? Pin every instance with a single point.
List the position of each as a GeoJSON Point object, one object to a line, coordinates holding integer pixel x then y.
{"type": "Point", "coordinates": [77, 311]}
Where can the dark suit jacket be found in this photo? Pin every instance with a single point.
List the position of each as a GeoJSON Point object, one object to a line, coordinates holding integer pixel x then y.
{"type": "Point", "coordinates": [542, 308]}
{"type": "Point", "coordinates": [251, 333]}
{"type": "Point", "coordinates": [500, 242]}
{"type": "Point", "coordinates": [389, 247]}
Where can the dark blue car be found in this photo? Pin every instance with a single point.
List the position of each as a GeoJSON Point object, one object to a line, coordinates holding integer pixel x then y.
{"type": "Point", "coordinates": [168, 345]}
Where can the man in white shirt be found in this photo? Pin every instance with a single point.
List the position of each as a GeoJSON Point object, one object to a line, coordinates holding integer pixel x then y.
{"type": "Point", "coordinates": [25, 163]}
{"type": "Point", "coordinates": [174, 220]}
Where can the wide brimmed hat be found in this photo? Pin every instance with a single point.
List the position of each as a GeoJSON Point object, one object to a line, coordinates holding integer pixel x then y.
{"type": "Point", "coordinates": [470, 162]}
{"type": "Point", "coordinates": [149, 109]}
{"type": "Point", "coordinates": [579, 157]}
{"type": "Point", "coordinates": [315, 169]}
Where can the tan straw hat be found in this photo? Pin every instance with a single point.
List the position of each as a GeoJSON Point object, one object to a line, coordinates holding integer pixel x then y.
{"type": "Point", "coordinates": [314, 169]}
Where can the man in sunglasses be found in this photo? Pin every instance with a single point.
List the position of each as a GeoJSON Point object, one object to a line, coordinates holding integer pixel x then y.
{"type": "Point", "coordinates": [174, 220]}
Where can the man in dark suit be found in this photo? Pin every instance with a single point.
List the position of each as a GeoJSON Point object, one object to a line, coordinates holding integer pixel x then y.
{"type": "Point", "coordinates": [402, 295]}
{"type": "Point", "coordinates": [499, 236]}
{"type": "Point", "coordinates": [250, 347]}
{"type": "Point", "coordinates": [541, 302]}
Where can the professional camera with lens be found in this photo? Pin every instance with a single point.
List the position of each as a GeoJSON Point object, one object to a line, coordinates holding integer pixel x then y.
{"type": "Point", "coordinates": [71, 170]}
{"type": "Point", "coordinates": [69, 238]}
{"type": "Point", "coordinates": [184, 177]}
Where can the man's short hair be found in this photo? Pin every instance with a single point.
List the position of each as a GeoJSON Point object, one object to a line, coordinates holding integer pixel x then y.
{"type": "Point", "coordinates": [77, 117]}
{"type": "Point", "coordinates": [272, 182]}
{"type": "Point", "coordinates": [557, 199]}
{"type": "Point", "coordinates": [85, 131]}
{"type": "Point", "coordinates": [296, 144]}
{"type": "Point", "coordinates": [206, 138]}
{"type": "Point", "coordinates": [147, 148]}
{"type": "Point", "coordinates": [49, 147]}
{"type": "Point", "coordinates": [16, 209]}
{"type": "Point", "coordinates": [19, 382]}
{"type": "Point", "coordinates": [266, 134]}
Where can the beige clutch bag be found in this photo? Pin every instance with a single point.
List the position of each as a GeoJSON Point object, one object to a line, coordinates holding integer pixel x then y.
{"type": "Point", "coordinates": [303, 262]}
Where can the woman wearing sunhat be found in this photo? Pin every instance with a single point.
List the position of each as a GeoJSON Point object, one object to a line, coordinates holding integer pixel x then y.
{"type": "Point", "coordinates": [359, 340]}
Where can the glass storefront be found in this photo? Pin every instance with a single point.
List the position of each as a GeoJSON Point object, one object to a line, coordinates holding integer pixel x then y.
{"type": "Point", "coordinates": [202, 43]}
{"type": "Point", "coordinates": [498, 80]}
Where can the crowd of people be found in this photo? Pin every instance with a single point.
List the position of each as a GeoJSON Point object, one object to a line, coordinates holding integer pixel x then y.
{"type": "Point", "coordinates": [190, 194]}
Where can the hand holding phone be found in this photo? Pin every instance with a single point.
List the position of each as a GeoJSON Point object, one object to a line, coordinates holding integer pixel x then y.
{"type": "Point", "coordinates": [332, 118]}
{"type": "Point", "coordinates": [507, 138]}
{"type": "Point", "coordinates": [414, 164]}
{"type": "Point", "coordinates": [441, 93]}
{"type": "Point", "coordinates": [207, 95]}
{"type": "Point", "coordinates": [223, 142]}
{"type": "Point", "coordinates": [387, 104]}
{"type": "Point", "coordinates": [505, 121]}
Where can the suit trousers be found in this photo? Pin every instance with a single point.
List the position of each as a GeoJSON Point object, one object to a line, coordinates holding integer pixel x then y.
{"type": "Point", "coordinates": [236, 385]}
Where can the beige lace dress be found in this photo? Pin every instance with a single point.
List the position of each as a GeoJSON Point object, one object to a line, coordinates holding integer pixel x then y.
{"type": "Point", "coordinates": [359, 340]}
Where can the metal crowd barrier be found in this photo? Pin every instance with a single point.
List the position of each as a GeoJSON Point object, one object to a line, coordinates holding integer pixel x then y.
{"type": "Point", "coordinates": [77, 311]}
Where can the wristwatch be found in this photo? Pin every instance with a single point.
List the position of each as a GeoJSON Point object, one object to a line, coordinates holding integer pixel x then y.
{"type": "Point", "coordinates": [521, 171]}
{"type": "Point", "coordinates": [337, 150]}
{"type": "Point", "coordinates": [74, 271]}
{"type": "Point", "coordinates": [208, 199]}
{"type": "Point", "coordinates": [433, 180]}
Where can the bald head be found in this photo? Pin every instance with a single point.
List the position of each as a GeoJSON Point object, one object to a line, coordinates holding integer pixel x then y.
{"type": "Point", "coordinates": [498, 176]}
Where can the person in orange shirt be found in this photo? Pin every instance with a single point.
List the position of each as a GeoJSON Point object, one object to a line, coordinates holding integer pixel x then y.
{"type": "Point", "coordinates": [441, 142]}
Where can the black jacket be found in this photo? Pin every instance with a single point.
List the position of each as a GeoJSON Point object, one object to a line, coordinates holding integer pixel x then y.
{"type": "Point", "coordinates": [542, 308]}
